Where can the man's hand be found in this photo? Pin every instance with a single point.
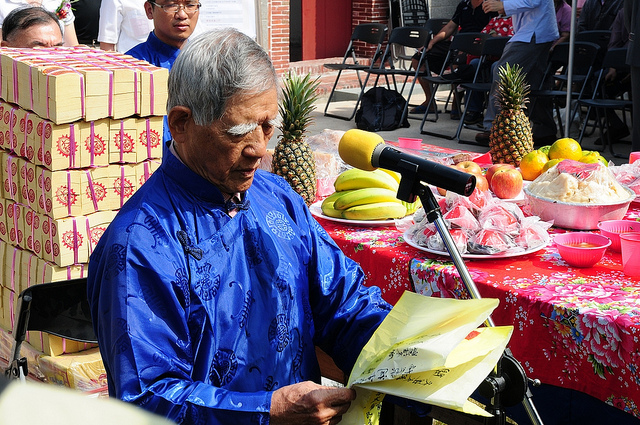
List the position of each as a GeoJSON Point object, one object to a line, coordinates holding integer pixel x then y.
{"type": "Point", "coordinates": [309, 403]}
{"type": "Point", "coordinates": [493, 6]}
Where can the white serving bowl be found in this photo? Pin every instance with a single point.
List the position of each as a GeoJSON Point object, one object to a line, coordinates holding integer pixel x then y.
{"type": "Point", "coordinates": [577, 216]}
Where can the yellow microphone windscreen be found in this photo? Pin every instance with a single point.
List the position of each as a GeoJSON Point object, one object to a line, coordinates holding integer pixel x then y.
{"type": "Point", "coordinates": [356, 148]}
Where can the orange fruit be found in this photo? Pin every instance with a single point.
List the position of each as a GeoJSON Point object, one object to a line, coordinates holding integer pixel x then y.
{"type": "Point", "coordinates": [589, 159]}
{"type": "Point", "coordinates": [531, 164]}
{"type": "Point", "coordinates": [545, 149]}
{"type": "Point", "coordinates": [566, 148]}
{"type": "Point", "coordinates": [550, 164]}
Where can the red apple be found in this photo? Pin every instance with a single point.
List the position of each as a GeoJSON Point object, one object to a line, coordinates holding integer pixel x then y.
{"type": "Point", "coordinates": [482, 183]}
{"type": "Point", "coordinates": [469, 167]}
{"type": "Point", "coordinates": [506, 183]}
{"type": "Point", "coordinates": [495, 167]}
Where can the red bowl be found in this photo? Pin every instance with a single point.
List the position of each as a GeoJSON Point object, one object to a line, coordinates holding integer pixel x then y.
{"type": "Point", "coordinates": [613, 228]}
{"type": "Point", "coordinates": [581, 249]}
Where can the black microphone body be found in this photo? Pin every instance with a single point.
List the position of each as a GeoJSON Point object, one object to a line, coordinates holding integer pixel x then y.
{"type": "Point", "coordinates": [430, 172]}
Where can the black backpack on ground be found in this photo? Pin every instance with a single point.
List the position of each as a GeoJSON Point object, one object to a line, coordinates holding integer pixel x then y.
{"type": "Point", "coordinates": [381, 110]}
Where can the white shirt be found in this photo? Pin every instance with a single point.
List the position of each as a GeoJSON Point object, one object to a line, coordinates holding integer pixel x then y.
{"type": "Point", "coordinates": [6, 6]}
{"type": "Point", "coordinates": [123, 23]}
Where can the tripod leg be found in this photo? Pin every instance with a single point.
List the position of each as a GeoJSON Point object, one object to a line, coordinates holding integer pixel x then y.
{"type": "Point", "coordinates": [434, 215]}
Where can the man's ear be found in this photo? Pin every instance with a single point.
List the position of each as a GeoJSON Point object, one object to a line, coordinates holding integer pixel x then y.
{"type": "Point", "coordinates": [179, 119]}
{"type": "Point", "coordinates": [148, 8]}
{"type": "Point", "coordinates": [3, 43]}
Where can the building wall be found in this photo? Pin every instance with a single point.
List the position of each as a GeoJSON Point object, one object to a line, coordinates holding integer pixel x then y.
{"type": "Point", "coordinates": [273, 23]}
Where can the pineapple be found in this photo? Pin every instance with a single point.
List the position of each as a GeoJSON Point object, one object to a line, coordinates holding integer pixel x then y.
{"type": "Point", "coordinates": [510, 138]}
{"type": "Point", "coordinates": [292, 157]}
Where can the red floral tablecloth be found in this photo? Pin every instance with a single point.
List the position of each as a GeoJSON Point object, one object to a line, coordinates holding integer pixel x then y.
{"type": "Point", "coordinates": [574, 328]}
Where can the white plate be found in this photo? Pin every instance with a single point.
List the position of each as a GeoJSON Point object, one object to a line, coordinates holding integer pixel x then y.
{"type": "Point", "coordinates": [409, 239]}
{"type": "Point", "coordinates": [316, 211]}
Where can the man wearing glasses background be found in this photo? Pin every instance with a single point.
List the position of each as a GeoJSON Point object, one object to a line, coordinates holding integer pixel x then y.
{"type": "Point", "coordinates": [173, 24]}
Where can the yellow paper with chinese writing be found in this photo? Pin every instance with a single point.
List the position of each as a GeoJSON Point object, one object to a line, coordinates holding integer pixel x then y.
{"type": "Point", "coordinates": [428, 350]}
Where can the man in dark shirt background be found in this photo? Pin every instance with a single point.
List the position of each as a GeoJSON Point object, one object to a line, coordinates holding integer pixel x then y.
{"type": "Point", "coordinates": [598, 14]}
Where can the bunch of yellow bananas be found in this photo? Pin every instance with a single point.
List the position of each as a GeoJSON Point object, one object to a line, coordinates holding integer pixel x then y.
{"type": "Point", "coordinates": [367, 195]}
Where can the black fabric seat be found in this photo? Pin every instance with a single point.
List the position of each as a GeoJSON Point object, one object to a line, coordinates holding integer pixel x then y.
{"type": "Point", "coordinates": [469, 43]}
{"type": "Point", "coordinates": [614, 58]}
{"type": "Point", "coordinates": [372, 34]}
{"type": "Point", "coordinates": [404, 37]}
{"type": "Point", "coordinates": [491, 51]}
{"type": "Point", "coordinates": [58, 308]}
{"type": "Point", "coordinates": [584, 57]}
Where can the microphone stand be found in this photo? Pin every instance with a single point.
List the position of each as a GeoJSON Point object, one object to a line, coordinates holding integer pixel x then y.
{"type": "Point", "coordinates": [508, 384]}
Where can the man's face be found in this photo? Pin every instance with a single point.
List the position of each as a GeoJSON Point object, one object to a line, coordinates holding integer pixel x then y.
{"type": "Point", "coordinates": [224, 156]}
{"type": "Point", "coordinates": [46, 35]}
{"type": "Point", "coordinates": [172, 28]}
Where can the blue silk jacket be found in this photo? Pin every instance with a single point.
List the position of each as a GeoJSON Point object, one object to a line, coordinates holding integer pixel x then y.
{"type": "Point", "coordinates": [201, 316]}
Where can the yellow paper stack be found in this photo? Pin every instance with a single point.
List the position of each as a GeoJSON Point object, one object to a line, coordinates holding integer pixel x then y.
{"type": "Point", "coordinates": [80, 131]}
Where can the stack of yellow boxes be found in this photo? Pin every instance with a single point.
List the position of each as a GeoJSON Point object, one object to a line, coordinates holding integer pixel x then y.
{"type": "Point", "coordinates": [80, 131]}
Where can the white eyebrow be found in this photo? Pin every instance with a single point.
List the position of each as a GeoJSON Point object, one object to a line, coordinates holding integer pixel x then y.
{"type": "Point", "coordinates": [246, 128]}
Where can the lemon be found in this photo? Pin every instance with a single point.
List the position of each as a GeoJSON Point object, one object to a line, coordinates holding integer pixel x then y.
{"type": "Point", "coordinates": [566, 148]}
{"type": "Point", "coordinates": [550, 164]}
{"type": "Point", "coordinates": [531, 164]}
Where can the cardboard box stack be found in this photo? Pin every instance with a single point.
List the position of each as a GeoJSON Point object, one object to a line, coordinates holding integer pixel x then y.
{"type": "Point", "coordinates": [80, 132]}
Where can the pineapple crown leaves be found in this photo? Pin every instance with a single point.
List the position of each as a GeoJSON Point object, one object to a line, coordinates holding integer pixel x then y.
{"type": "Point", "coordinates": [513, 88]}
{"type": "Point", "coordinates": [296, 105]}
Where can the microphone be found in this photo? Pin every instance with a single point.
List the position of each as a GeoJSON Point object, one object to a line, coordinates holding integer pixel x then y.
{"type": "Point", "coordinates": [367, 151]}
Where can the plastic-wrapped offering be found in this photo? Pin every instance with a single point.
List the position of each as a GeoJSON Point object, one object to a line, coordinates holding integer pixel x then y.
{"type": "Point", "coordinates": [628, 175]}
{"type": "Point", "coordinates": [490, 241]}
{"type": "Point", "coordinates": [533, 232]}
{"type": "Point", "coordinates": [421, 234]}
{"type": "Point", "coordinates": [499, 227]}
{"type": "Point", "coordinates": [460, 217]}
{"type": "Point", "coordinates": [577, 182]}
{"type": "Point", "coordinates": [503, 216]}
{"type": "Point", "coordinates": [459, 236]}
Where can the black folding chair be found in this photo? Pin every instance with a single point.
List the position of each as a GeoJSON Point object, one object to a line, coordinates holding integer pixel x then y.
{"type": "Point", "coordinates": [599, 37]}
{"type": "Point", "coordinates": [413, 13]}
{"type": "Point", "coordinates": [372, 34]}
{"type": "Point", "coordinates": [406, 37]}
{"type": "Point", "coordinates": [491, 50]}
{"type": "Point", "coordinates": [470, 43]}
{"type": "Point", "coordinates": [58, 308]}
{"type": "Point", "coordinates": [434, 26]}
{"type": "Point", "coordinates": [614, 58]}
{"type": "Point", "coordinates": [584, 57]}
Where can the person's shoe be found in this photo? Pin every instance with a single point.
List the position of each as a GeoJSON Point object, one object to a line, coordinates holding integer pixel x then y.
{"type": "Point", "coordinates": [473, 117]}
{"type": "Point", "coordinates": [483, 138]}
{"type": "Point", "coordinates": [420, 109]}
{"type": "Point", "coordinates": [617, 133]}
{"type": "Point", "coordinates": [455, 115]}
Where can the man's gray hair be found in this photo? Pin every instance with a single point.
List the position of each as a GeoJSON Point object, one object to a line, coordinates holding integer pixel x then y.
{"type": "Point", "coordinates": [214, 67]}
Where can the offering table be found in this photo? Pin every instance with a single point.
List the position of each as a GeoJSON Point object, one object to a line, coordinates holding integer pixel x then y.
{"type": "Point", "coordinates": [574, 328]}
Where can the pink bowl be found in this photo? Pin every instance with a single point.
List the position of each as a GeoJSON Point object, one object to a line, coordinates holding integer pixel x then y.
{"type": "Point", "coordinates": [613, 228]}
{"type": "Point", "coordinates": [587, 255]}
{"type": "Point", "coordinates": [409, 143]}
